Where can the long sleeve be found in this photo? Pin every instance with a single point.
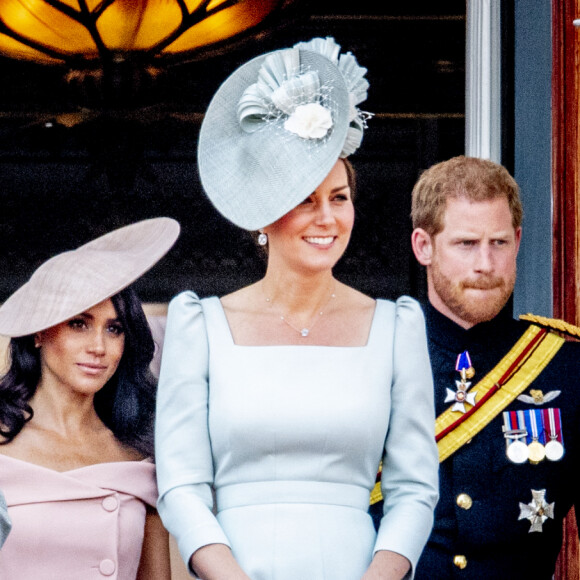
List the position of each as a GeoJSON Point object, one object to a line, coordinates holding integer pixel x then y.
{"type": "Point", "coordinates": [410, 466]}
{"type": "Point", "coordinates": [182, 443]}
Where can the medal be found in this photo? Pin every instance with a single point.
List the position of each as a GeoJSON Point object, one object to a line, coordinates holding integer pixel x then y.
{"type": "Point", "coordinates": [516, 450]}
{"type": "Point", "coordinates": [461, 396]}
{"type": "Point", "coordinates": [554, 450]}
{"type": "Point", "coordinates": [553, 425]}
{"type": "Point", "coordinates": [533, 435]}
{"type": "Point", "coordinates": [535, 448]}
{"type": "Point", "coordinates": [536, 451]}
{"type": "Point", "coordinates": [537, 511]}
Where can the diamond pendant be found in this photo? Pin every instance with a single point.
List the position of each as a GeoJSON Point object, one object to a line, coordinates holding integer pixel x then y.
{"type": "Point", "coordinates": [304, 332]}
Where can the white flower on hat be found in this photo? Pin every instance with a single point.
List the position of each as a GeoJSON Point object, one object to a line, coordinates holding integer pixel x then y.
{"type": "Point", "coordinates": [284, 90]}
{"type": "Point", "coordinates": [354, 76]}
{"type": "Point", "coordinates": [310, 121]}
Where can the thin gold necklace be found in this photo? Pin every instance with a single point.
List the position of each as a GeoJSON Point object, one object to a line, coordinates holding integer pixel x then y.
{"type": "Point", "coordinates": [304, 332]}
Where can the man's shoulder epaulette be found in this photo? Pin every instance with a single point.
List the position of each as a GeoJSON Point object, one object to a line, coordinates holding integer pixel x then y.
{"type": "Point", "coordinates": [553, 324]}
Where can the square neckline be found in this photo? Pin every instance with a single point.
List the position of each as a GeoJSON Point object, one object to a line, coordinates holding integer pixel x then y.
{"type": "Point", "coordinates": [227, 330]}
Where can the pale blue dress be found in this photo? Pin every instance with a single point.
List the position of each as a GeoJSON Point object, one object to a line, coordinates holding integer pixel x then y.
{"type": "Point", "coordinates": [290, 438]}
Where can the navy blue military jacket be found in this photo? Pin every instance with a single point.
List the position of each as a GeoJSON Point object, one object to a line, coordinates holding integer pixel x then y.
{"type": "Point", "coordinates": [480, 534]}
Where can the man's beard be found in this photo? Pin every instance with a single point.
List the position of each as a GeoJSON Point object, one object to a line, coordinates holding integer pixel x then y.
{"type": "Point", "coordinates": [469, 309]}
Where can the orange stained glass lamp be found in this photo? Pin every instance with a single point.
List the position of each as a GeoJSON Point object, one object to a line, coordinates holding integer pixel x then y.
{"type": "Point", "coordinates": [82, 33]}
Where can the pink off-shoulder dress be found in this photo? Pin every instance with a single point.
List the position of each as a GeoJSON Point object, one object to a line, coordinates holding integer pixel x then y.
{"type": "Point", "coordinates": [87, 523]}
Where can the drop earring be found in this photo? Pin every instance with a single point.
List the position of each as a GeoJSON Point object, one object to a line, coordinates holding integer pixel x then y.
{"type": "Point", "coordinates": [262, 239]}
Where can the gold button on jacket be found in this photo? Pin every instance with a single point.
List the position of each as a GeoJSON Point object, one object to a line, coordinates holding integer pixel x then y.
{"type": "Point", "coordinates": [460, 562]}
{"type": "Point", "coordinates": [464, 501]}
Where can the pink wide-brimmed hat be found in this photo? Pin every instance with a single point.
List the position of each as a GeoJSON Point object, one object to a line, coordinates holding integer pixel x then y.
{"type": "Point", "coordinates": [72, 282]}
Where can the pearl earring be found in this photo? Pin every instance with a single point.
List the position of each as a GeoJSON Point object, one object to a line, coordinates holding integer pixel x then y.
{"type": "Point", "coordinates": [262, 239]}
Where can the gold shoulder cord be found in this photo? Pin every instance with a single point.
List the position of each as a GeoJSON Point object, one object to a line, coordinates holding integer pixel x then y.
{"type": "Point", "coordinates": [553, 324]}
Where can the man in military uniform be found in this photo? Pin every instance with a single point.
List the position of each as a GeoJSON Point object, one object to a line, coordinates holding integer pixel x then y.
{"type": "Point", "coordinates": [506, 391]}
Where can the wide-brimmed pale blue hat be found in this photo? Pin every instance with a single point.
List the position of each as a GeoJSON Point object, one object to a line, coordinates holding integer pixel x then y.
{"type": "Point", "coordinates": [276, 127]}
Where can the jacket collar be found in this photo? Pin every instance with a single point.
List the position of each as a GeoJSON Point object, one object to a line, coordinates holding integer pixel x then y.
{"type": "Point", "coordinates": [449, 335]}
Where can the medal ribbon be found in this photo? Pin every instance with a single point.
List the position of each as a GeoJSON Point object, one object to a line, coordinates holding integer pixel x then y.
{"type": "Point", "coordinates": [463, 361]}
{"type": "Point", "coordinates": [513, 422]}
{"type": "Point", "coordinates": [508, 421]}
{"type": "Point", "coordinates": [537, 425]}
{"type": "Point", "coordinates": [552, 418]}
{"type": "Point", "coordinates": [520, 421]}
{"type": "Point", "coordinates": [526, 360]}
{"type": "Point", "coordinates": [514, 425]}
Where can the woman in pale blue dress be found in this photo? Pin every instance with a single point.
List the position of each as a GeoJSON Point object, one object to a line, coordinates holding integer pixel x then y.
{"type": "Point", "coordinates": [277, 402]}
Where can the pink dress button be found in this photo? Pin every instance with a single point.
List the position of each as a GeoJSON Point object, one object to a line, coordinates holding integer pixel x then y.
{"type": "Point", "coordinates": [107, 567]}
{"type": "Point", "coordinates": [110, 503]}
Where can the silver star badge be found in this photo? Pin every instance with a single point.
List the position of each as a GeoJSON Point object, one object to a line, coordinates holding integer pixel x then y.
{"type": "Point", "coordinates": [537, 511]}
{"type": "Point", "coordinates": [461, 396]}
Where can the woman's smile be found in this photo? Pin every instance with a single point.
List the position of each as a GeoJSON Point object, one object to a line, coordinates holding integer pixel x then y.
{"type": "Point", "coordinates": [320, 241]}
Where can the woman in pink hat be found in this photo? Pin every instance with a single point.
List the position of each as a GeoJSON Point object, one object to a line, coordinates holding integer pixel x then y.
{"type": "Point", "coordinates": [76, 415]}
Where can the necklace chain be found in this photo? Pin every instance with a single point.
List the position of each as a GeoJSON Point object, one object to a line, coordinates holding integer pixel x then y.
{"type": "Point", "coordinates": [305, 331]}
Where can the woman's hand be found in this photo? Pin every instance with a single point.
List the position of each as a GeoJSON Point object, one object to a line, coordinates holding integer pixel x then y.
{"type": "Point", "coordinates": [387, 566]}
{"type": "Point", "coordinates": [216, 562]}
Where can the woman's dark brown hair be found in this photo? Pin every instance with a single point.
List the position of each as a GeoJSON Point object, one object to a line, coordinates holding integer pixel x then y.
{"type": "Point", "coordinates": [126, 404]}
